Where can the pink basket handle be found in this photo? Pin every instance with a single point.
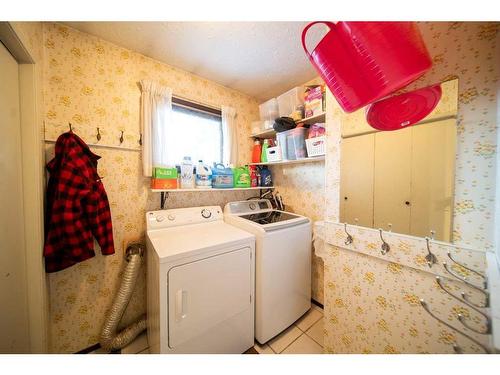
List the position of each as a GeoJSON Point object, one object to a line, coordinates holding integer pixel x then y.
{"type": "Point", "coordinates": [330, 25]}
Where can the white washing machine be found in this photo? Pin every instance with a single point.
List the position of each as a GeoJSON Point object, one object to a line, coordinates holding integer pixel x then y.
{"type": "Point", "coordinates": [200, 281]}
{"type": "Point", "coordinates": [282, 263]}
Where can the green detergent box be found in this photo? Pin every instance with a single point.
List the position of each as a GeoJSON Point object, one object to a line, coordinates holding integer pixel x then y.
{"type": "Point", "coordinates": [164, 178]}
{"type": "Point", "coordinates": [167, 173]}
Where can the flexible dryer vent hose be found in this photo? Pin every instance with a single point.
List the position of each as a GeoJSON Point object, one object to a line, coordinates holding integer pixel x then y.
{"type": "Point", "coordinates": [110, 338]}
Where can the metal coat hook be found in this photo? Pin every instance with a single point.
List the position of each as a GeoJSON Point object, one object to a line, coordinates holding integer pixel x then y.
{"type": "Point", "coordinates": [464, 280]}
{"type": "Point", "coordinates": [385, 246]}
{"type": "Point", "coordinates": [140, 139]}
{"type": "Point", "coordinates": [462, 300]}
{"type": "Point", "coordinates": [429, 258]}
{"type": "Point", "coordinates": [349, 238]}
{"type": "Point", "coordinates": [469, 269]}
{"type": "Point", "coordinates": [456, 347]}
{"type": "Point", "coordinates": [121, 137]}
{"type": "Point", "coordinates": [462, 320]}
{"type": "Point", "coordinates": [98, 136]}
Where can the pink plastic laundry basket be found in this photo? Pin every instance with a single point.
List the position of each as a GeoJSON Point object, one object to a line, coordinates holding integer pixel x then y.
{"type": "Point", "coordinates": [362, 62]}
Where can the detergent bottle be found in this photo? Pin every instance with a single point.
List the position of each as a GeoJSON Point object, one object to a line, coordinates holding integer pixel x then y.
{"type": "Point", "coordinates": [256, 151]}
{"type": "Point", "coordinates": [263, 155]}
{"type": "Point", "coordinates": [203, 176]}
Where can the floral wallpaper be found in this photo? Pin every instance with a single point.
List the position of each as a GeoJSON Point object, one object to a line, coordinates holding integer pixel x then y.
{"type": "Point", "coordinates": [92, 83]}
{"type": "Point", "coordinates": [383, 294]}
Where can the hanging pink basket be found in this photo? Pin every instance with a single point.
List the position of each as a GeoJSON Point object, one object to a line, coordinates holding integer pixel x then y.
{"type": "Point", "coordinates": [403, 110]}
{"type": "Point", "coordinates": [362, 62]}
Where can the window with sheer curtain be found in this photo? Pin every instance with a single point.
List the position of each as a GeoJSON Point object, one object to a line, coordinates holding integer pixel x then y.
{"type": "Point", "coordinates": [195, 133]}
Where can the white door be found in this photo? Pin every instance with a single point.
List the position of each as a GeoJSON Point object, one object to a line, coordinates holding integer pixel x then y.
{"type": "Point", "coordinates": [356, 180]}
{"type": "Point", "coordinates": [392, 180]}
{"type": "Point", "coordinates": [207, 292]}
{"type": "Point", "coordinates": [14, 333]}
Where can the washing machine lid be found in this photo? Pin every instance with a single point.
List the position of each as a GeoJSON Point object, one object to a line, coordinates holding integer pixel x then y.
{"type": "Point", "coordinates": [191, 240]}
{"type": "Point", "coordinates": [270, 217]}
{"type": "Point", "coordinates": [272, 220]}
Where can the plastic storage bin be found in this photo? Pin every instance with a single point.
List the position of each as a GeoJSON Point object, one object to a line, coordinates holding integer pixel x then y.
{"type": "Point", "coordinates": [296, 144]}
{"type": "Point", "coordinates": [316, 146]}
{"type": "Point", "coordinates": [290, 100]}
{"type": "Point", "coordinates": [269, 110]}
{"type": "Point", "coordinates": [293, 143]}
{"type": "Point", "coordinates": [281, 140]}
{"type": "Point", "coordinates": [273, 154]}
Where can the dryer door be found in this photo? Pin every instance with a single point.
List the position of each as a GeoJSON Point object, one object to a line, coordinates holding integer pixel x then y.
{"type": "Point", "coordinates": [204, 293]}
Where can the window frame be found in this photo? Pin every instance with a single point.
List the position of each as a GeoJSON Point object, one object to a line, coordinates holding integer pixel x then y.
{"type": "Point", "coordinates": [199, 107]}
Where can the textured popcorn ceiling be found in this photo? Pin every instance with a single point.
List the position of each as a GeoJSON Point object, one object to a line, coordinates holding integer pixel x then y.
{"type": "Point", "coordinates": [261, 59]}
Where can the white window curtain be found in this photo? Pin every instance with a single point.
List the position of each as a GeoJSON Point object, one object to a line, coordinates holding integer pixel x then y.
{"type": "Point", "coordinates": [156, 116]}
{"type": "Point", "coordinates": [230, 136]}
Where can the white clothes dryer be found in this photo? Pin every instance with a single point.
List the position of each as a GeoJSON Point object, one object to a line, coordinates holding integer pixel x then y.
{"type": "Point", "coordinates": [200, 282]}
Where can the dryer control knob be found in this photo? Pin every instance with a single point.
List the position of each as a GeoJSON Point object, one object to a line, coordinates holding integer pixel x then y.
{"type": "Point", "coordinates": [206, 213]}
{"type": "Point", "coordinates": [171, 217]}
{"type": "Point", "coordinates": [160, 218]}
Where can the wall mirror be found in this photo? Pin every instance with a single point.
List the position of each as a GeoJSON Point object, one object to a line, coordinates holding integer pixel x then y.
{"type": "Point", "coordinates": [401, 180]}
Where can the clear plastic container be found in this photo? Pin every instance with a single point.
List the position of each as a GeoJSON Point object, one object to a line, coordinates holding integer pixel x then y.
{"type": "Point", "coordinates": [293, 143]}
{"type": "Point", "coordinates": [269, 110]}
{"type": "Point", "coordinates": [290, 100]}
{"type": "Point", "coordinates": [296, 143]}
{"type": "Point", "coordinates": [281, 140]}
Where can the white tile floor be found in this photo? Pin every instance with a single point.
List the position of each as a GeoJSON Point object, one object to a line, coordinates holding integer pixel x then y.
{"type": "Point", "coordinates": [305, 336]}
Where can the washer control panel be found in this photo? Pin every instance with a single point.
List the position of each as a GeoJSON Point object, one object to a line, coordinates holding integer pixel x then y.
{"type": "Point", "coordinates": [245, 207]}
{"type": "Point", "coordinates": [182, 216]}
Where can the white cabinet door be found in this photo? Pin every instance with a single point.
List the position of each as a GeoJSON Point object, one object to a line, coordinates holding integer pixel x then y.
{"type": "Point", "coordinates": [432, 180]}
{"type": "Point", "coordinates": [207, 292]}
{"type": "Point", "coordinates": [356, 176]}
{"type": "Point", "coordinates": [392, 180]}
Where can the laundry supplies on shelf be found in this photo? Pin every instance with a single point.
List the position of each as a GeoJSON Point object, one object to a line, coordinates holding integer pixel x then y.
{"type": "Point", "coordinates": [266, 178]}
{"type": "Point", "coordinates": [256, 151]}
{"type": "Point", "coordinates": [164, 178]}
{"type": "Point", "coordinates": [187, 175]}
{"type": "Point", "coordinates": [242, 177]}
{"type": "Point", "coordinates": [222, 177]}
{"type": "Point", "coordinates": [203, 176]}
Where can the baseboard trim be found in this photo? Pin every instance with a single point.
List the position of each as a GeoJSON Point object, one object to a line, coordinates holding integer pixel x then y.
{"type": "Point", "coordinates": [317, 303]}
{"type": "Point", "coordinates": [89, 349]}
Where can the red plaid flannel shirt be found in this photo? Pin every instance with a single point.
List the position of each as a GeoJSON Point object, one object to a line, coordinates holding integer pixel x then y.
{"type": "Point", "coordinates": [77, 206]}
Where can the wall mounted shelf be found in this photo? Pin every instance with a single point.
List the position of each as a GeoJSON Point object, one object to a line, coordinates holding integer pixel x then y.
{"type": "Point", "coordinates": [213, 189]}
{"type": "Point", "coordinates": [164, 193]}
{"type": "Point", "coordinates": [298, 161]}
{"type": "Point", "coordinates": [271, 133]}
{"type": "Point", "coordinates": [321, 117]}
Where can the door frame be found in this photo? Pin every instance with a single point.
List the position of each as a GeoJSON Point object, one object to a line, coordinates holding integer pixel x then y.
{"type": "Point", "coordinates": [33, 185]}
